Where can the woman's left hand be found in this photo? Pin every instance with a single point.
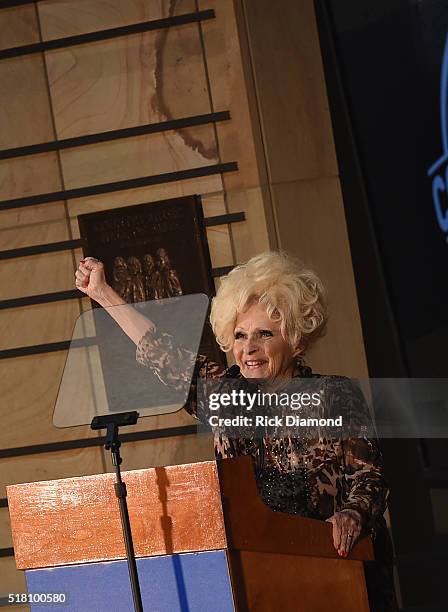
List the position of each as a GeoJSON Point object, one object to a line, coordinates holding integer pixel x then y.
{"type": "Point", "coordinates": [347, 526]}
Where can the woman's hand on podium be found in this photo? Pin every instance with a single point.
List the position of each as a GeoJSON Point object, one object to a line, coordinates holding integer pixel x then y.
{"type": "Point", "coordinates": [91, 279]}
{"type": "Point", "coordinates": [347, 526]}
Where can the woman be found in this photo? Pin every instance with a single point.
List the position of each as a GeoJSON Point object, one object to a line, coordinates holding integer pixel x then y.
{"type": "Point", "coordinates": [268, 312]}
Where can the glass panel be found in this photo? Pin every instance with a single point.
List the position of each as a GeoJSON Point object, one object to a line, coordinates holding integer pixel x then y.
{"type": "Point", "coordinates": [101, 374]}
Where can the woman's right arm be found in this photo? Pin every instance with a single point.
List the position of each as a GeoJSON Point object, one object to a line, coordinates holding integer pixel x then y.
{"type": "Point", "coordinates": [91, 280]}
{"type": "Point", "coordinates": [156, 350]}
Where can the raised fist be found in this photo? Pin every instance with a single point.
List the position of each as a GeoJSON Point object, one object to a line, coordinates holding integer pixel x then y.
{"type": "Point", "coordinates": [90, 278]}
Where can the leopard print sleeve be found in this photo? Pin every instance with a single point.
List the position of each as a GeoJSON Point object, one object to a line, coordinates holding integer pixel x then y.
{"type": "Point", "coordinates": [173, 364]}
{"type": "Point", "coordinates": [365, 488]}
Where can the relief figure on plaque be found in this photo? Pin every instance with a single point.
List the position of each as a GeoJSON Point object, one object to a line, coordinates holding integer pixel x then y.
{"type": "Point", "coordinates": [150, 276]}
{"type": "Point", "coordinates": [167, 281]}
{"type": "Point", "coordinates": [136, 285]}
{"type": "Point", "coordinates": [121, 278]}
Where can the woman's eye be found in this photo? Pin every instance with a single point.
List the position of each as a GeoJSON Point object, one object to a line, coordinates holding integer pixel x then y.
{"type": "Point", "coordinates": [238, 335]}
{"type": "Point", "coordinates": [266, 333]}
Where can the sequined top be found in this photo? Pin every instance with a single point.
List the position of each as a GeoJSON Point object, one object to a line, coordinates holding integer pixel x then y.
{"type": "Point", "coordinates": [313, 478]}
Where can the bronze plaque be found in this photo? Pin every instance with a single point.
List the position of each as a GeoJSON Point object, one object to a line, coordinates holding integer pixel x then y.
{"type": "Point", "coordinates": [151, 251]}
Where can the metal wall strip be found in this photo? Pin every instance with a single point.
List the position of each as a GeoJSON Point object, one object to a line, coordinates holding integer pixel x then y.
{"type": "Point", "coordinates": [43, 298]}
{"type": "Point", "coordinates": [130, 132]}
{"type": "Point", "coordinates": [134, 183]}
{"type": "Point", "coordinates": [217, 272]}
{"type": "Point", "coordinates": [7, 552]}
{"type": "Point", "coordinates": [89, 37]}
{"type": "Point", "coordinates": [50, 447]}
{"type": "Point", "coordinates": [36, 349]}
{"type": "Point", "coordinates": [10, 3]}
{"type": "Point", "coordinates": [38, 249]}
{"type": "Point", "coordinates": [224, 219]}
{"type": "Point", "coordinates": [72, 294]}
{"type": "Point", "coordinates": [66, 245]}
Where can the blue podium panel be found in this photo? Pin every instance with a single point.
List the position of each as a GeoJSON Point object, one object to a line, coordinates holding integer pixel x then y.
{"type": "Point", "coordinates": [188, 582]}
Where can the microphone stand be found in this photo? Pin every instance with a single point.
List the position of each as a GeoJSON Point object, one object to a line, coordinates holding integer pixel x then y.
{"type": "Point", "coordinates": [112, 422]}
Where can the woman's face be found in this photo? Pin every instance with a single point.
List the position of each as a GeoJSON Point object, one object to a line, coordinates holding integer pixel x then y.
{"type": "Point", "coordinates": [259, 347]}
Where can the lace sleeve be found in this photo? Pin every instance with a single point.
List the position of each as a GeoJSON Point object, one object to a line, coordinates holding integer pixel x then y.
{"type": "Point", "coordinates": [366, 488]}
{"type": "Point", "coordinates": [173, 364]}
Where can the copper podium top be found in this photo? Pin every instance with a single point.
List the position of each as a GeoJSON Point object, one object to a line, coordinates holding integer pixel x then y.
{"type": "Point", "coordinates": [75, 520]}
{"type": "Point", "coordinates": [181, 508]}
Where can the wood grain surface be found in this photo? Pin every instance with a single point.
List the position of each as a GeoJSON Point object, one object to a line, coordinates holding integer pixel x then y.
{"type": "Point", "coordinates": [32, 231]}
{"type": "Point", "coordinates": [172, 509]}
{"type": "Point", "coordinates": [229, 88]}
{"type": "Point", "coordinates": [18, 26]}
{"type": "Point", "coordinates": [73, 17]}
{"type": "Point", "coordinates": [48, 466]}
{"type": "Point", "coordinates": [127, 81]}
{"type": "Point", "coordinates": [26, 115]}
{"type": "Point", "coordinates": [319, 203]}
{"type": "Point", "coordinates": [291, 90]}
{"type": "Point", "coordinates": [252, 525]}
{"type": "Point", "coordinates": [5, 529]}
{"type": "Point", "coordinates": [271, 582]}
{"type": "Point", "coordinates": [173, 450]}
{"type": "Point", "coordinates": [118, 83]}
{"type": "Point", "coordinates": [36, 274]}
{"type": "Point", "coordinates": [11, 580]}
{"type": "Point", "coordinates": [30, 388]}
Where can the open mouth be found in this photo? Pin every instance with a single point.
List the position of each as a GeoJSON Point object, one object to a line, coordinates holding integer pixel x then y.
{"type": "Point", "coordinates": [254, 364]}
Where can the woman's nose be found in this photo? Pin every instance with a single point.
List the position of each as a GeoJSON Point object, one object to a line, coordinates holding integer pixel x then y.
{"type": "Point", "coordinates": [250, 346]}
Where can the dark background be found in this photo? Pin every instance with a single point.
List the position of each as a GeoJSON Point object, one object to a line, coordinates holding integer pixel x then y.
{"type": "Point", "coordinates": [382, 61]}
{"type": "Point", "coordinates": [390, 53]}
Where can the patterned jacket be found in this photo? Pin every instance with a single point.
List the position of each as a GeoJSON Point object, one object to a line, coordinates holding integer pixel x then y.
{"type": "Point", "coordinates": [314, 477]}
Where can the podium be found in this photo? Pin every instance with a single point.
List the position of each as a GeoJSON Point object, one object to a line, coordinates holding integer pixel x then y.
{"type": "Point", "coordinates": [203, 538]}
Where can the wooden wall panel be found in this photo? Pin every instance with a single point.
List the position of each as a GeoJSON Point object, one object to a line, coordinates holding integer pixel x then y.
{"type": "Point", "coordinates": [232, 88]}
{"type": "Point", "coordinates": [50, 466]}
{"type": "Point", "coordinates": [18, 26]}
{"type": "Point", "coordinates": [219, 237]}
{"type": "Point", "coordinates": [135, 157]}
{"type": "Point", "coordinates": [142, 195]}
{"type": "Point", "coordinates": [321, 240]}
{"type": "Point", "coordinates": [29, 391]}
{"type": "Point", "coordinates": [73, 17]}
{"type": "Point", "coordinates": [180, 418]}
{"type": "Point", "coordinates": [291, 88]}
{"type": "Point", "coordinates": [126, 81]}
{"type": "Point", "coordinates": [252, 236]}
{"type": "Point", "coordinates": [11, 580]}
{"type": "Point", "coordinates": [31, 275]}
{"type": "Point", "coordinates": [103, 86]}
{"type": "Point", "coordinates": [214, 204]}
{"type": "Point", "coordinates": [25, 226]}
{"type": "Point", "coordinates": [25, 116]}
{"type": "Point", "coordinates": [5, 529]}
{"type": "Point", "coordinates": [27, 176]}
{"type": "Point", "coordinates": [302, 175]}
{"type": "Point", "coordinates": [228, 92]}
{"type": "Point", "coordinates": [164, 451]}
{"type": "Point", "coordinates": [41, 232]}
{"type": "Point", "coordinates": [220, 246]}
{"type": "Point", "coordinates": [37, 324]}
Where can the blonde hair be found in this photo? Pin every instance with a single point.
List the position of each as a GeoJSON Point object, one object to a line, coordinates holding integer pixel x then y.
{"type": "Point", "coordinates": [292, 294]}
